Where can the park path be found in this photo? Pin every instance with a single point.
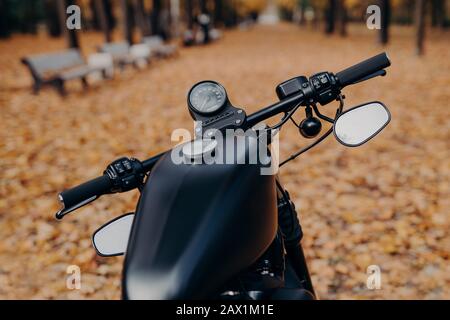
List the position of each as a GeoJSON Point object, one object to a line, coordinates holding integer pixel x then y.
{"type": "Point", "coordinates": [386, 203]}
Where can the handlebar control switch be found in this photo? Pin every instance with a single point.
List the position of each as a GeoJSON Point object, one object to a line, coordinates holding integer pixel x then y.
{"type": "Point", "coordinates": [126, 174]}
{"type": "Point", "coordinates": [291, 87]}
{"type": "Point", "coordinates": [325, 87]}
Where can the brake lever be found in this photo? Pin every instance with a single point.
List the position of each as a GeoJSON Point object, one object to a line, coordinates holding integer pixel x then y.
{"type": "Point", "coordinates": [64, 211]}
{"type": "Point", "coordinates": [121, 175]}
{"type": "Point", "coordinates": [380, 73]}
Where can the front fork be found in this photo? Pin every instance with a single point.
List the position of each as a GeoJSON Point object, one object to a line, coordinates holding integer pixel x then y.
{"type": "Point", "coordinates": [292, 236]}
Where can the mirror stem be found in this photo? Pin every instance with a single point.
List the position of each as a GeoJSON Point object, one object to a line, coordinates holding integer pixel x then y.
{"type": "Point", "coordinates": [321, 116]}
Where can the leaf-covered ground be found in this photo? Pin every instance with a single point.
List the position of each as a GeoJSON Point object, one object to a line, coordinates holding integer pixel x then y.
{"type": "Point", "coordinates": [386, 203]}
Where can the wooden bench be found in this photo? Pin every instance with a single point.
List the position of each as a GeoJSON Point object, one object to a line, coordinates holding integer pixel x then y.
{"type": "Point", "coordinates": [57, 68]}
{"type": "Point", "coordinates": [120, 52]}
{"type": "Point", "coordinates": [123, 54]}
{"type": "Point", "coordinates": [158, 47]}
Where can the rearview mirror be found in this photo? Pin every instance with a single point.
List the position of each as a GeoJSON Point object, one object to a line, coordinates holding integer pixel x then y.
{"type": "Point", "coordinates": [112, 238]}
{"type": "Point", "coordinates": [359, 124]}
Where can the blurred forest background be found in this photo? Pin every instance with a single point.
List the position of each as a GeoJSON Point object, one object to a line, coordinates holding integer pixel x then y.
{"type": "Point", "coordinates": [386, 203]}
{"type": "Point", "coordinates": [164, 17]}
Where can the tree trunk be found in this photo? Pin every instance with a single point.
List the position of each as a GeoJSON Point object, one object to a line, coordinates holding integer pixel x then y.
{"type": "Point", "coordinates": [189, 14]}
{"type": "Point", "coordinates": [233, 13]}
{"type": "Point", "coordinates": [71, 35]}
{"type": "Point", "coordinates": [175, 17]}
{"type": "Point", "coordinates": [5, 30]}
{"type": "Point", "coordinates": [127, 21]}
{"type": "Point", "coordinates": [302, 6]}
{"type": "Point", "coordinates": [218, 13]}
{"type": "Point", "coordinates": [52, 18]}
{"type": "Point", "coordinates": [437, 13]}
{"type": "Point", "coordinates": [420, 26]}
{"type": "Point", "coordinates": [330, 16]}
{"type": "Point", "coordinates": [103, 20]}
{"type": "Point", "coordinates": [109, 5]}
{"type": "Point", "coordinates": [205, 26]}
{"type": "Point", "coordinates": [95, 20]}
{"type": "Point", "coordinates": [342, 13]}
{"type": "Point", "coordinates": [155, 17]}
{"type": "Point", "coordinates": [30, 17]}
{"type": "Point", "coordinates": [141, 17]}
{"type": "Point", "coordinates": [385, 6]}
{"type": "Point", "coordinates": [228, 13]}
{"type": "Point", "coordinates": [203, 7]}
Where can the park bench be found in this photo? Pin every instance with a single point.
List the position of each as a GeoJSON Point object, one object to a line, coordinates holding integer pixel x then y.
{"type": "Point", "coordinates": [123, 54]}
{"type": "Point", "coordinates": [158, 47]}
{"type": "Point", "coordinates": [58, 67]}
{"type": "Point", "coordinates": [191, 38]}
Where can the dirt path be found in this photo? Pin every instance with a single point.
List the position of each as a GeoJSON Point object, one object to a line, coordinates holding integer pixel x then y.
{"type": "Point", "coordinates": [386, 203]}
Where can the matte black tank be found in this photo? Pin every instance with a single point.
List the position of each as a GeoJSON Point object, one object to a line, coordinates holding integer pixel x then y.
{"type": "Point", "coordinates": [196, 227]}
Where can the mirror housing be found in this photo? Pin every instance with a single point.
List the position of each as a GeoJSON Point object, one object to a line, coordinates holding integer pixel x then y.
{"type": "Point", "coordinates": [359, 124]}
{"type": "Point", "coordinates": [111, 239]}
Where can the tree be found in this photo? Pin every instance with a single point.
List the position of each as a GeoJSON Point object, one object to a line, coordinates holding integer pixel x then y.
{"type": "Point", "coordinates": [102, 16]}
{"type": "Point", "coordinates": [175, 17]}
{"type": "Point", "coordinates": [5, 29]}
{"type": "Point", "coordinates": [98, 15]}
{"type": "Point", "coordinates": [205, 26]}
{"type": "Point", "coordinates": [302, 4]}
{"type": "Point", "coordinates": [330, 16]}
{"type": "Point", "coordinates": [29, 16]}
{"type": "Point", "coordinates": [52, 18]}
{"type": "Point", "coordinates": [141, 17]}
{"type": "Point", "coordinates": [70, 34]}
{"type": "Point", "coordinates": [218, 12]}
{"type": "Point", "coordinates": [342, 14]}
{"type": "Point", "coordinates": [203, 6]}
{"type": "Point", "coordinates": [438, 13]}
{"type": "Point", "coordinates": [155, 17]}
{"type": "Point", "coordinates": [230, 13]}
{"type": "Point", "coordinates": [189, 7]}
{"type": "Point", "coordinates": [420, 26]}
{"type": "Point", "coordinates": [127, 20]}
{"type": "Point", "coordinates": [385, 6]}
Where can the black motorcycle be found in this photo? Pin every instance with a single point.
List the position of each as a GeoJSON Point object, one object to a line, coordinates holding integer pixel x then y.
{"type": "Point", "coordinates": [210, 223]}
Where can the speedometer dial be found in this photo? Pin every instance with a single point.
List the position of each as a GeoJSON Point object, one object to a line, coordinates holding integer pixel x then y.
{"type": "Point", "coordinates": [207, 97]}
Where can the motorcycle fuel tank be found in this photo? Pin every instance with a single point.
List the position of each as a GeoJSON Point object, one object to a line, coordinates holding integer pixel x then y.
{"type": "Point", "coordinates": [196, 227]}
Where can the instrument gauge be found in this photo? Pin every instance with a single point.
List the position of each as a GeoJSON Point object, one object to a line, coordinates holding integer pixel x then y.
{"type": "Point", "coordinates": [207, 97]}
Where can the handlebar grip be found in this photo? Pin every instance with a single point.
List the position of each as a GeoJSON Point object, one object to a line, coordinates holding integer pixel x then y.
{"type": "Point", "coordinates": [83, 194]}
{"type": "Point", "coordinates": [363, 69]}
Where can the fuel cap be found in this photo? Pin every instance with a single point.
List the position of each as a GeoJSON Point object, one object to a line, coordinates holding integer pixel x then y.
{"type": "Point", "coordinates": [195, 150]}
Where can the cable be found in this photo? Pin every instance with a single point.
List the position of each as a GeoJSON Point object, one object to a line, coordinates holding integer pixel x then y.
{"type": "Point", "coordinates": [295, 155]}
{"type": "Point", "coordinates": [286, 117]}
{"type": "Point", "coordinates": [326, 134]}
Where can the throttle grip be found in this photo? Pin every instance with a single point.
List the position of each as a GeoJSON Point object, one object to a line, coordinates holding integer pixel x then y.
{"type": "Point", "coordinates": [85, 193]}
{"type": "Point", "coordinates": [363, 69]}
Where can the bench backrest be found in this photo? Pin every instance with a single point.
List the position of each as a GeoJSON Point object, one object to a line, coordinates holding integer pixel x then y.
{"type": "Point", "coordinates": [153, 41]}
{"type": "Point", "coordinates": [116, 49]}
{"type": "Point", "coordinates": [54, 62]}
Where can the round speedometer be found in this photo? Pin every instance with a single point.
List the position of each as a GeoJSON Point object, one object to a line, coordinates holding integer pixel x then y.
{"type": "Point", "coordinates": [207, 97]}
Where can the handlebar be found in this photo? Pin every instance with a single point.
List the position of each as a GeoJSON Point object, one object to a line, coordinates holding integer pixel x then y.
{"type": "Point", "coordinates": [363, 69]}
{"type": "Point", "coordinates": [122, 175]}
{"type": "Point", "coordinates": [126, 174]}
{"type": "Point", "coordinates": [323, 87]}
{"type": "Point", "coordinates": [272, 110]}
{"type": "Point", "coordinates": [83, 194]}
